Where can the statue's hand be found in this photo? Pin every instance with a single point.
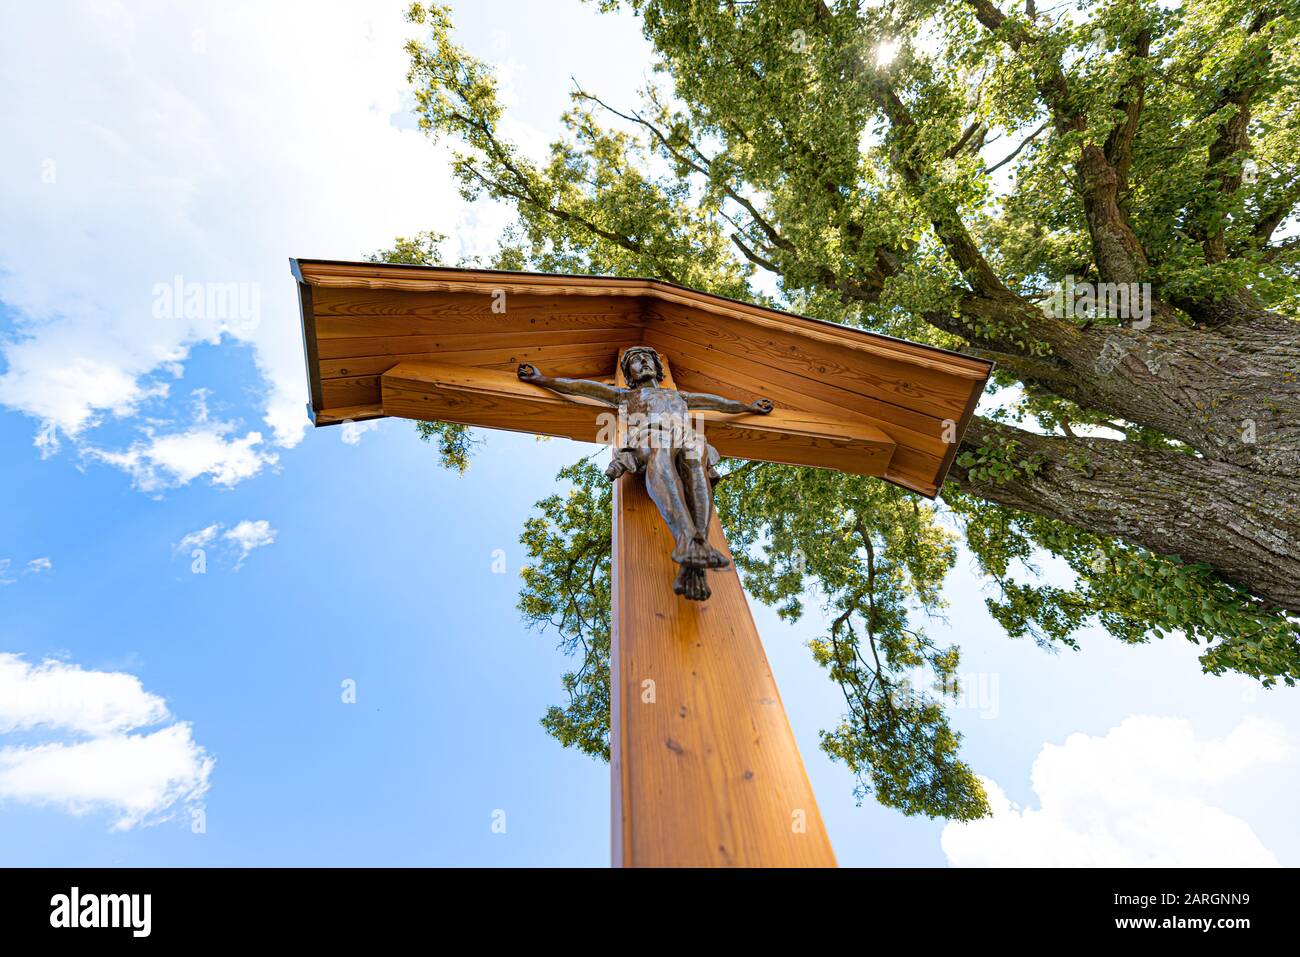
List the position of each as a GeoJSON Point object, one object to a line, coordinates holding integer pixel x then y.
{"type": "Point", "coordinates": [529, 372]}
{"type": "Point", "coordinates": [761, 406]}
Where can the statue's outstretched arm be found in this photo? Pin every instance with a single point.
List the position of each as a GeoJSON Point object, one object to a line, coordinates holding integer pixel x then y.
{"type": "Point", "coordinates": [585, 387]}
{"type": "Point", "coordinates": [716, 403]}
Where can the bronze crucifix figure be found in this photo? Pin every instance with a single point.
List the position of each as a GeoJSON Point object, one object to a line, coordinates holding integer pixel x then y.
{"type": "Point", "coordinates": [662, 442]}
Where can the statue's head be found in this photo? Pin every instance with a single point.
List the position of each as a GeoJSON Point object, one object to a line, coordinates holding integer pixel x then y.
{"type": "Point", "coordinates": [640, 364]}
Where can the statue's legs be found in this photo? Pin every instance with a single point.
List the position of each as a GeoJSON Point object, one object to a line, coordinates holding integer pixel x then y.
{"type": "Point", "coordinates": [665, 488]}
{"type": "Point", "coordinates": [690, 582]}
{"type": "Point", "coordinates": [679, 486]}
{"type": "Point", "coordinates": [699, 499]}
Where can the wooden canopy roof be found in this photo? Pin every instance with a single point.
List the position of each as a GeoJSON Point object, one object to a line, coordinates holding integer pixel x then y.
{"type": "Point", "coordinates": [427, 343]}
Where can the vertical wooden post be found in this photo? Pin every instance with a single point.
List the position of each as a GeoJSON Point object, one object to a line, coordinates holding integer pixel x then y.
{"type": "Point", "coordinates": [705, 770]}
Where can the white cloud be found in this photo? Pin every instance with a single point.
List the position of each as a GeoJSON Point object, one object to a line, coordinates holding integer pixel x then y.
{"type": "Point", "coordinates": [242, 537]}
{"type": "Point", "coordinates": [1139, 796]}
{"type": "Point", "coordinates": [102, 758]}
{"type": "Point", "coordinates": [208, 141]}
{"type": "Point", "coordinates": [58, 695]}
{"type": "Point", "coordinates": [139, 777]}
{"type": "Point", "coordinates": [248, 535]}
{"type": "Point", "coordinates": [169, 460]}
{"type": "Point", "coordinates": [200, 539]}
{"type": "Point", "coordinates": [33, 567]}
{"type": "Point", "coordinates": [351, 432]}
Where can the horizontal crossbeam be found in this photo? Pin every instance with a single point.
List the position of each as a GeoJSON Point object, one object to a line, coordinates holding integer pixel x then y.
{"type": "Point", "coordinates": [493, 399]}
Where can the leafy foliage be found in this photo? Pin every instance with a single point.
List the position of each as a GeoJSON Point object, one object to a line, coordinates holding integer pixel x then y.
{"type": "Point", "coordinates": [422, 249]}
{"type": "Point", "coordinates": [566, 588]}
{"type": "Point", "coordinates": [1139, 141]}
{"type": "Point", "coordinates": [876, 556]}
{"type": "Point", "coordinates": [1132, 593]}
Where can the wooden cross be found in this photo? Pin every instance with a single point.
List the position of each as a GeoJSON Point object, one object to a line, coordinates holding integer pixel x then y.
{"type": "Point", "coordinates": [705, 770]}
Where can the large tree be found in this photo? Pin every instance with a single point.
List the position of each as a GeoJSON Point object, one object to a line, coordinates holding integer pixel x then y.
{"type": "Point", "coordinates": [950, 171]}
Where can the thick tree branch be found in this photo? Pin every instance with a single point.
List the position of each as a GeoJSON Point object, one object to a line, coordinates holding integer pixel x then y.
{"type": "Point", "coordinates": [1275, 211]}
{"type": "Point", "coordinates": [1119, 144]}
{"type": "Point", "coordinates": [1236, 521]}
{"type": "Point", "coordinates": [947, 223]}
{"type": "Point", "coordinates": [1233, 138]}
{"type": "Point", "coordinates": [1101, 174]}
{"type": "Point", "coordinates": [968, 140]}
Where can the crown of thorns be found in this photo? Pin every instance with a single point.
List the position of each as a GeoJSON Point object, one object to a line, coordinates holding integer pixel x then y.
{"type": "Point", "coordinates": [645, 351]}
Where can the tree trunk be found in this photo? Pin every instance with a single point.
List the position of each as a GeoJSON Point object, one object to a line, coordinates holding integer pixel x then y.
{"type": "Point", "coordinates": [1232, 394]}
{"type": "Point", "coordinates": [1232, 399]}
{"type": "Point", "coordinates": [1235, 519]}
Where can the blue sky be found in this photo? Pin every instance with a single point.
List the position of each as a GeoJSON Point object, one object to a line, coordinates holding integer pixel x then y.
{"type": "Point", "coordinates": [139, 699]}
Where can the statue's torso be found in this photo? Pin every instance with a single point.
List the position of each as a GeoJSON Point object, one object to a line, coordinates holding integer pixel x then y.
{"type": "Point", "coordinates": [653, 399]}
{"type": "Point", "coordinates": [660, 418]}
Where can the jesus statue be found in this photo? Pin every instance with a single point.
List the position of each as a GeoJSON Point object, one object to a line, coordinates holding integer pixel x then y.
{"type": "Point", "coordinates": [662, 442]}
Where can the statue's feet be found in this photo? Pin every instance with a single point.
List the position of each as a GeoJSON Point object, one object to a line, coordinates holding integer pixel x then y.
{"type": "Point", "coordinates": [698, 553]}
{"type": "Point", "coordinates": [691, 584]}
{"type": "Point", "coordinates": [715, 558]}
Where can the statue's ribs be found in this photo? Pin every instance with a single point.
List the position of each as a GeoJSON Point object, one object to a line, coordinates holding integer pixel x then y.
{"type": "Point", "coordinates": [498, 400]}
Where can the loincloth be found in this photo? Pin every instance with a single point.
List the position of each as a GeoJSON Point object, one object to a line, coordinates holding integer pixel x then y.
{"type": "Point", "coordinates": [631, 458]}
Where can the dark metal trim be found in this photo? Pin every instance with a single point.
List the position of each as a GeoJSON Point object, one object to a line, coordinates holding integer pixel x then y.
{"type": "Point", "coordinates": [307, 313]}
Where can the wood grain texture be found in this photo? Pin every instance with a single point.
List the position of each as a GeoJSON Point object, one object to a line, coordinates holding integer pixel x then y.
{"type": "Point", "coordinates": [791, 437]}
{"type": "Point", "coordinates": [894, 382]}
{"type": "Point", "coordinates": [486, 398]}
{"type": "Point", "coordinates": [445, 312]}
{"type": "Point", "coordinates": [356, 413]}
{"type": "Point", "coordinates": [330, 276]}
{"type": "Point", "coordinates": [719, 371]}
{"type": "Point", "coordinates": [470, 342]}
{"type": "Point", "coordinates": [598, 358]}
{"type": "Point", "coordinates": [704, 770]}
{"type": "Point", "coordinates": [707, 773]}
{"type": "Point", "coordinates": [920, 447]}
{"type": "Point", "coordinates": [363, 319]}
{"type": "Point", "coordinates": [347, 389]}
{"type": "Point", "coordinates": [351, 390]}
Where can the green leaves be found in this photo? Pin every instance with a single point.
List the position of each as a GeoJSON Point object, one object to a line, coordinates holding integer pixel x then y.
{"type": "Point", "coordinates": [456, 443]}
{"type": "Point", "coordinates": [877, 558]}
{"type": "Point", "coordinates": [566, 591]}
{"type": "Point", "coordinates": [1134, 594]}
{"type": "Point", "coordinates": [938, 197]}
{"type": "Point", "coordinates": [998, 464]}
{"type": "Point", "coordinates": [422, 249]}
{"type": "Point", "coordinates": [591, 206]}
